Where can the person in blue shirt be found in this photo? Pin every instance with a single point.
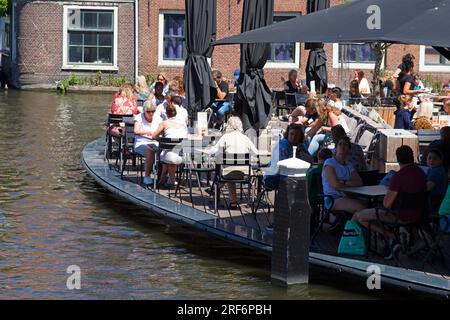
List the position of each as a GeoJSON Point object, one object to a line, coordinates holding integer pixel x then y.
{"type": "Point", "coordinates": [403, 114]}
{"type": "Point", "coordinates": [293, 136]}
{"type": "Point", "coordinates": [437, 179]}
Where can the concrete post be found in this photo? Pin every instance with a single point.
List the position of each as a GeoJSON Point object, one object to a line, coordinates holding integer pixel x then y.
{"type": "Point", "coordinates": [291, 238]}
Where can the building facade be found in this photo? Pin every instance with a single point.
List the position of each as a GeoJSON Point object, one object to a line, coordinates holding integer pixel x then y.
{"type": "Point", "coordinates": [53, 39]}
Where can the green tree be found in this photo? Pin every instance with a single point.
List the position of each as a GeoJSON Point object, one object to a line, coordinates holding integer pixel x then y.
{"type": "Point", "coordinates": [4, 5]}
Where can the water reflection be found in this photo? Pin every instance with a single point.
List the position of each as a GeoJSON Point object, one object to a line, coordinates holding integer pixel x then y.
{"type": "Point", "coordinates": [53, 215]}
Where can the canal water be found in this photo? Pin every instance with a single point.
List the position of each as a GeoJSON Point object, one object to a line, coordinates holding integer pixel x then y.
{"type": "Point", "coordinates": [53, 215]}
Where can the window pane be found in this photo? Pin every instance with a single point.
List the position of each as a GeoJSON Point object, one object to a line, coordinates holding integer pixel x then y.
{"type": "Point", "coordinates": [174, 43]}
{"type": "Point", "coordinates": [105, 20]}
{"type": "Point", "coordinates": [359, 53]}
{"type": "Point", "coordinates": [75, 38]}
{"type": "Point", "coordinates": [90, 39]}
{"type": "Point", "coordinates": [90, 54]}
{"type": "Point", "coordinates": [282, 52]}
{"type": "Point", "coordinates": [89, 20]}
{"type": "Point", "coordinates": [75, 54]}
{"type": "Point", "coordinates": [432, 57]}
{"type": "Point", "coordinates": [174, 49]}
{"type": "Point", "coordinates": [105, 55]}
{"type": "Point", "coordinates": [74, 19]}
{"type": "Point", "coordinates": [105, 39]}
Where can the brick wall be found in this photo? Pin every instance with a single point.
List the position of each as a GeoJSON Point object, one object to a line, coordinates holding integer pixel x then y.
{"type": "Point", "coordinates": [40, 42]}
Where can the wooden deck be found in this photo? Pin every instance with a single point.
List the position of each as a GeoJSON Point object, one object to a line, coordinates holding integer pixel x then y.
{"type": "Point", "coordinates": [251, 230]}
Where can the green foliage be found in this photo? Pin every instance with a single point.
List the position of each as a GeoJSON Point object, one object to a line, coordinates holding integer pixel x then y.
{"type": "Point", "coordinates": [4, 6]}
{"type": "Point", "coordinates": [93, 80]}
{"type": "Point", "coordinates": [150, 78]}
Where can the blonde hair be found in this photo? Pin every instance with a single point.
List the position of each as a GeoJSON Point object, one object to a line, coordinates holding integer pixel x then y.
{"type": "Point", "coordinates": [149, 105]}
{"type": "Point", "coordinates": [234, 124]}
{"type": "Point", "coordinates": [324, 109]}
{"type": "Point", "coordinates": [127, 91]}
{"type": "Point", "coordinates": [141, 85]}
{"type": "Point", "coordinates": [404, 100]}
{"type": "Point", "coordinates": [176, 86]}
{"type": "Point", "coordinates": [162, 75]}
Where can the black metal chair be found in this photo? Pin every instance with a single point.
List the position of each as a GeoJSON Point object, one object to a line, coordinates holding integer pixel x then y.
{"type": "Point", "coordinates": [405, 201]}
{"type": "Point", "coordinates": [195, 163]}
{"type": "Point", "coordinates": [166, 144]}
{"type": "Point", "coordinates": [113, 141]}
{"type": "Point", "coordinates": [231, 160]}
{"type": "Point", "coordinates": [127, 152]}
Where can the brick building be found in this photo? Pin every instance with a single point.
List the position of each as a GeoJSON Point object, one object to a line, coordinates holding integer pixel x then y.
{"type": "Point", "coordinates": [52, 39]}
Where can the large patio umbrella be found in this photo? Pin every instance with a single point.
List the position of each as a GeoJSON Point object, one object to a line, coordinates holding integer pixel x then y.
{"type": "Point", "coordinates": [396, 21]}
{"type": "Point", "coordinates": [200, 33]}
{"type": "Point", "coordinates": [316, 68]}
{"type": "Point", "coordinates": [253, 99]}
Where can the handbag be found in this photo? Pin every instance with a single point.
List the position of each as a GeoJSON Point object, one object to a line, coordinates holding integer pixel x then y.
{"type": "Point", "coordinates": [352, 240]}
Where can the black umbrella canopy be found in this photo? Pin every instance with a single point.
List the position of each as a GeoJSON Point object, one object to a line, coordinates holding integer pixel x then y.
{"type": "Point", "coordinates": [200, 33]}
{"type": "Point", "coordinates": [253, 99]}
{"type": "Point", "coordinates": [397, 21]}
{"type": "Point", "coordinates": [316, 68]}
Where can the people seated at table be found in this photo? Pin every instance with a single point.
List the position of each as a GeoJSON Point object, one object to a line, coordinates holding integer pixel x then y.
{"type": "Point", "coordinates": [329, 117]}
{"type": "Point", "coordinates": [306, 116]}
{"type": "Point", "coordinates": [423, 116]}
{"type": "Point", "coordinates": [409, 179]}
{"type": "Point", "coordinates": [294, 136]}
{"type": "Point", "coordinates": [356, 154]}
{"type": "Point", "coordinates": [335, 98]}
{"type": "Point", "coordinates": [124, 101]}
{"type": "Point", "coordinates": [363, 84]}
{"type": "Point", "coordinates": [292, 85]}
{"type": "Point", "coordinates": [172, 98]}
{"type": "Point", "coordinates": [141, 89]}
{"type": "Point", "coordinates": [313, 190]}
{"type": "Point", "coordinates": [220, 106]}
{"type": "Point", "coordinates": [403, 116]}
{"type": "Point", "coordinates": [174, 129]}
{"type": "Point", "coordinates": [144, 127]}
{"type": "Point", "coordinates": [161, 77]}
{"type": "Point", "coordinates": [407, 81]}
{"type": "Point", "coordinates": [158, 93]}
{"type": "Point", "coordinates": [234, 141]}
{"type": "Point", "coordinates": [338, 173]}
{"type": "Point", "coordinates": [437, 179]}
{"type": "Point", "coordinates": [443, 145]}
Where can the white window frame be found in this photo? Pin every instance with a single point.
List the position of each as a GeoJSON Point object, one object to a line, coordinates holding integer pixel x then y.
{"type": "Point", "coordinates": [66, 65]}
{"type": "Point", "coordinates": [286, 65]}
{"type": "Point", "coordinates": [161, 61]}
{"type": "Point", "coordinates": [430, 68]}
{"type": "Point", "coordinates": [353, 65]}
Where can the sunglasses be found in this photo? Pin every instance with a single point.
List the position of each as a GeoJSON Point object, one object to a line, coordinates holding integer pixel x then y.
{"type": "Point", "coordinates": [150, 112]}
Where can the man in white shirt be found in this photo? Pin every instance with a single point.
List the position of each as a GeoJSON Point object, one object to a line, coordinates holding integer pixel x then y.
{"type": "Point", "coordinates": [182, 114]}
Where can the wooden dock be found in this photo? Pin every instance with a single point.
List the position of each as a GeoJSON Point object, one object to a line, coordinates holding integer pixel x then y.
{"type": "Point", "coordinates": [244, 228]}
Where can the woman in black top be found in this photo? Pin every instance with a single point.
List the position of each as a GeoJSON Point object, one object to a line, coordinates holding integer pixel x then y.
{"type": "Point", "coordinates": [292, 85]}
{"type": "Point", "coordinates": [407, 80]}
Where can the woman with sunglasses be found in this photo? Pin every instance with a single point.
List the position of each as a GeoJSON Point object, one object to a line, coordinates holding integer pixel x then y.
{"type": "Point", "coordinates": [144, 126]}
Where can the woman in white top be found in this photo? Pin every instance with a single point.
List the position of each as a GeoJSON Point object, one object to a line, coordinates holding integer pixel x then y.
{"type": "Point", "coordinates": [233, 142]}
{"type": "Point", "coordinates": [363, 84]}
{"type": "Point", "coordinates": [144, 126]}
{"type": "Point", "coordinates": [161, 110]}
{"type": "Point", "coordinates": [170, 128]}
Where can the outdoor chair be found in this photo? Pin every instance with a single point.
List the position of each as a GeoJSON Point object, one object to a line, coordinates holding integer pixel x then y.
{"type": "Point", "coordinates": [113, 142]}
{"type": "Point", "coordinates": [232, 160]}
{"type": "Point", "coordinates": [166, 144]}
{"type": "Point", "coordinates": [323, 207]}
{"type": "Point", "coordinates": [405, 201]}
{"type": "Point", "coordinates": [196, 164]}
{"type": "Point", "coordinates": [128, 153]}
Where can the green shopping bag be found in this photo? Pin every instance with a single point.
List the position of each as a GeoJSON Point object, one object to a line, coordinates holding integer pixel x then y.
{"type": "Point", "coordinates": [352, 240]}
